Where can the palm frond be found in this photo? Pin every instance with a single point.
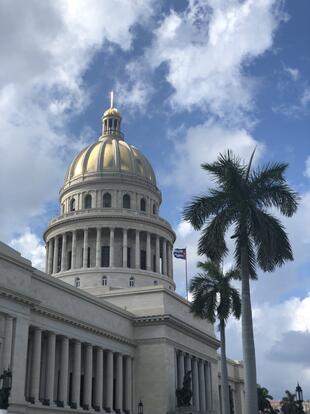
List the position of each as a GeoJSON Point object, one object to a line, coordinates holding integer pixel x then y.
{"type": "Point", "coordinates": [273, 246]}
{"type": "Point", "coordinates": [204, 206]}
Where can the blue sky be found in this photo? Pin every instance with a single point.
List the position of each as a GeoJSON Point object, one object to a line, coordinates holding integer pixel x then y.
{"type": "Point", "coordinates": [192, 78]}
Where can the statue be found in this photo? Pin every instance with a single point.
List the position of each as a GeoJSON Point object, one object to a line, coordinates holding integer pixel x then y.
{"type": "Point", "coordinates": [184, 394]}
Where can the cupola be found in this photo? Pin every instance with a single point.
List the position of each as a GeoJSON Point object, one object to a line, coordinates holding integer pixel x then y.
{"type": "Point", "coordinates": [111, 121]}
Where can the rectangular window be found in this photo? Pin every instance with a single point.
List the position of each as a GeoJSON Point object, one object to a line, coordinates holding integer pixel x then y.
{"type": "Point", "coordinates": [105, 256]}
{"type": "Point", "coordinates": [143, 259]}
{"type": "Point", "coordinates": [128, 257]}
{"type": "Point", "coordinates": [69, 260]}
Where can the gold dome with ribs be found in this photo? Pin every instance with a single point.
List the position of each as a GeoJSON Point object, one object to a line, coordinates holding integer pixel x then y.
{"type": "Point", "coordinates": [110, 155]}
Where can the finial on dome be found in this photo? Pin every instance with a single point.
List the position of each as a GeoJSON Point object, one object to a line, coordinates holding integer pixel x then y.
{"type": "Point", "coordinates": [111, 121]}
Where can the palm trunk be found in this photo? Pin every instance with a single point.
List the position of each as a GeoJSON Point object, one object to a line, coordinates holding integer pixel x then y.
{"type": "Point", "coordinates": [224, 374]}
{"type": "Point", "coordinates": [251, 404]}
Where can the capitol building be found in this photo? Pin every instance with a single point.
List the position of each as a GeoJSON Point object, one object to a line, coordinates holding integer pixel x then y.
{"type": "Point", "coordinates": [103, 328]}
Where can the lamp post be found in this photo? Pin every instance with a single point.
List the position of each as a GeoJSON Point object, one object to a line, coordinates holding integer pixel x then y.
{"type": "Point", "coordinates": [140, 407]}
{"type": "Point", "coordinates": [300, 397]}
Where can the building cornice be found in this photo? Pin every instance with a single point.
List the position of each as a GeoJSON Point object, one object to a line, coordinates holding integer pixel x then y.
{"type": "Point", "coordinates": [18, 297]}
{"type": "Point", "coordinates": [178, 324]}
{"type": "Point", "coordinates": [53, 314]}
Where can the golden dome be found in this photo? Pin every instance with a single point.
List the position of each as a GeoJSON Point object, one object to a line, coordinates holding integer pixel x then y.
{"type": "Point", "coordinates": [110, 155]}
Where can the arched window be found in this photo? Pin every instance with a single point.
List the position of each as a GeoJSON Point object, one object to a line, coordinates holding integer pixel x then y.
{"type": "Point", "coordinates": [154, 208]}
{"type": "Point", "coordinates": [104, 281]}
{"type": "Point", "coordinates": [87, 201]}
{"type": "Point", "coordinates": [107, 200]}
{"type": "Point", "coordinates": [72, 204]}
{"type": "Point", "coordinates": [126, 201]}
{"type": "Point", "coordinates": [142, 204]}
{"type": "Point", "coordinates": [77, 282]}
{"type": "Point", "coordinates": [131, 281]}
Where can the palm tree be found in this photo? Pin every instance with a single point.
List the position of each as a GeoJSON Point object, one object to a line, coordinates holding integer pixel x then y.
{"type": "Point", "coordinates": [215, 298]}
{"type": "Point", "coordinates": [241, 199]}
{"type": "Point", "coordinates": [289, 404]}
{"type": "Point", "coordinates": [264, 398]}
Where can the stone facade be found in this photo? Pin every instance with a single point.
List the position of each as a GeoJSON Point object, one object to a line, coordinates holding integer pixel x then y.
{"type": "Point", "coordinates": [103, 328]}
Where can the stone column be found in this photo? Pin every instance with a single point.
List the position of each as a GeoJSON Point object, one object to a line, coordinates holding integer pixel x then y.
{"type": "Point", "coordinates": [50, 257]}
{"type": "Point", "coordinates": [180, 357]}
{"type": "Point", "coordinates": [88, 377]}
{"type": "Point", "coordinates": [124, 247]}
{"type": "Point", "coordinates": [19, 353]}
{"type": "Point", "coordinates": [46, 256]}
{"type": "Point", "coordinates": [119, 383]}
{"type": "Point", "coordinates": [137, 257]}
{"type": "Point", "coordinates": [76, 377]}
{"type": "Point", "coordinates": [64, 370]}
{"type": "Point", "coordinates": [99, 378]}
{"type": "Point", "coordinates": [128, 384]}
{"type": "Point", "coordinates": [35, 365]}
{"type": "Point", "coordinates": [208, 382]}
{"type": "Point", "coordinates": [50, 375]}
{"type": "Point", "coordinates": [195, 377]}
{"type": "Point", "coordinates": [64, 253]}
{"type": "Point", "coordinates": [109, 382]}
{"type": "Point", "coordinates": [55, 262]}
{"type": "Point", "coordinates": [202, 385]}
{"type": "Point", "coordinates": [73, 257]}
{"type": "Point", "coordinates": [157, 254]}
{"type": "Point", "coordinates": [148, 251]}
{"type": "Point", "coordinates": [169, 259]}
{"type": "Point", "coordinates": [111, 247]}
{"type": "Point", "coordinates": [7, 345]}
{"type": "Point", "coordinates": [164, 257]}
{"type": "Point", "coordinates": [85, 248]}
{"type": "Point", "coordinates": [188, 366]}
{"type": "Point", "coordinates": [98, 248]}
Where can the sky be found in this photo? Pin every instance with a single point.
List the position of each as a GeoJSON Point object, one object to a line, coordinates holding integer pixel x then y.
{"type": "Point", "coordinates": [191, 79]}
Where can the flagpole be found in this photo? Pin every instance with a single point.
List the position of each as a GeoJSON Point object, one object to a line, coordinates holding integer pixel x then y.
{"type": "Point", "coordinates": [186, 278]}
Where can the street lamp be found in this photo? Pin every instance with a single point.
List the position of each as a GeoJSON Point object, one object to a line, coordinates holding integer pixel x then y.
{"type": "Point", "coordinates": [140, 407]}
{"type": "Point", "coordinates": [299, 393]}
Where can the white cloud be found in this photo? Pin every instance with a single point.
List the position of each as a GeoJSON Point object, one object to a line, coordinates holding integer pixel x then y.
{"type": "Point", "coordinates": [30, 247]}
{"type": "Point", "coordinates": [207, 49]}
{"type": "Point", "coordinates": [292, 72]}
{"type": "Point", "coordinates": [47, 48]}
{"type": "Point", "coordinates": [201, 144]}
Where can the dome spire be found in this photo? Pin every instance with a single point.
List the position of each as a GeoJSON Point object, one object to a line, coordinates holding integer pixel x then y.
{"type": "Point", "coordinates": [111, 99]}
{"type": "Point", "coordinates": [111, 121]}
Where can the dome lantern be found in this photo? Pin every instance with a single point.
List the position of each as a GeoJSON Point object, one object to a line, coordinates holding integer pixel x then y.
{"type": "Point", "coordinates": [111, 121]}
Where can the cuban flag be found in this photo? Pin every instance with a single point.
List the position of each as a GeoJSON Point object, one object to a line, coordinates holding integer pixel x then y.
{"type": "Point", "coordinates": [180, 253]}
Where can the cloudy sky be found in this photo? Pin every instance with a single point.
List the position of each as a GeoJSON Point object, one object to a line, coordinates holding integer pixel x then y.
{"type": "Point", "coordinates": [192, 78]}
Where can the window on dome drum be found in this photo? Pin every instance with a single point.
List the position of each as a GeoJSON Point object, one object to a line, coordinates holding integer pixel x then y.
{"type": "Point", "coordinates": [107, 200]}
{"type": "Point", "coordinates": [131, 281]}
{"type": "Point", "coordinates": [110, 123]}
{"type": "Point", "coordinates": [105, 256]}
{"type": "Point", "coordinates": [128, 257]}
{"type": "Point", "coordinates": [143, 259]}
{"type": "Point", "coordinates": [69, 260]}
{"type": "Point", "coordinates": [104, 281]}
{"type": "Point", "coordinates": [142, 204]}
{"type": "Point", "coordinates": [87, 201]}
{"type": "Point", "coordinates": [115, 123]}
{"type": "Point", "coordinates": [77, 282]}
{"type": "Point", "coordinates": [154, 208]}
{"type": "Point", "coordinates": [72, 204]}
{"type": "Point", "coordinates": [126, 201]}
